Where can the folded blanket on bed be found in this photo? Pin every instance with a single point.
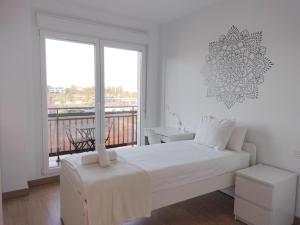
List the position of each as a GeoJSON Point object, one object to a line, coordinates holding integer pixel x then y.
{"type": "Point", "coordinates": [114, 194]}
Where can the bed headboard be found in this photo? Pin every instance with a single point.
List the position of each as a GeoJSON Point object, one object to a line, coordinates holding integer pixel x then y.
{"type": "Point", "coordinates": [251, 148]}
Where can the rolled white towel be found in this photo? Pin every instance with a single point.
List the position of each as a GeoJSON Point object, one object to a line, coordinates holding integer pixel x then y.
{"type": "Point", "coordinates": [92, 158]}
{"type": "Point", "coordinates": [103, 156]}
{"type": "Point", "coordinates": [112, 155]}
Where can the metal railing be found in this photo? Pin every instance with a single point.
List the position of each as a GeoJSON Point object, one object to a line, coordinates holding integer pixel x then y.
{"type": "Point", "coordinates": [120, 127]}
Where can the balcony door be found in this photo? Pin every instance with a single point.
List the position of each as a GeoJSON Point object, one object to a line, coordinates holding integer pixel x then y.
{"type": "Point", "coordinates": [71, 81]}
{"type": "Point", "coordinates": [92, 93]}
{"type": "Point", "coordinates": [122, 69]}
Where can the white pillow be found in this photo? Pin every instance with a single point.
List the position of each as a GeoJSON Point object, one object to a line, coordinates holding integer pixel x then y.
{"type": "Point", "coordinates": [237, 139]}
{"type": "Point", "coordinates": [214, 132]}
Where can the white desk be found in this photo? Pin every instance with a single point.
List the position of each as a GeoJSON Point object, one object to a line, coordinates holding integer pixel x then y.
{"type": "Point", "coordinates": [170, 134]}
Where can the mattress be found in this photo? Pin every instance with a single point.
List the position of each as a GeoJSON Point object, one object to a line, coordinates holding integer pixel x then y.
{"type": "Point", "coordinates": [173, 164]}
{"type": "Point", "coordinates": [178, 163]}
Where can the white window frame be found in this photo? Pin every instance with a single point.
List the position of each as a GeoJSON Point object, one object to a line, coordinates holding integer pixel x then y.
{"type": "Point", "coordinates": [142, 83]}
{"type": "Point", "coordinates": [72, 38]}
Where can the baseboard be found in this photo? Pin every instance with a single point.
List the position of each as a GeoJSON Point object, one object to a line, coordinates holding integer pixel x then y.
{"type": "Point", "coordinates": [15, 194]}
{"type": "Point", "coordinates": [31, 183]}
{"type": "Point", "coordinates": [42, 181]}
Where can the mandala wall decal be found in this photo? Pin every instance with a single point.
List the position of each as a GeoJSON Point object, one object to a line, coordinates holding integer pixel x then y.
{"type": "Point", "coordinates": [235, 66]}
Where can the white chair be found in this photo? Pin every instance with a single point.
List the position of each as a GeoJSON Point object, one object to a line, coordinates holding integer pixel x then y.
{"type": "Point", "coordinates": [153, 138]}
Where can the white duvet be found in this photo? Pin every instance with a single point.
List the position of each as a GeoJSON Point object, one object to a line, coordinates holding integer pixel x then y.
{"type": "Point", "coordinates": [178, 163]}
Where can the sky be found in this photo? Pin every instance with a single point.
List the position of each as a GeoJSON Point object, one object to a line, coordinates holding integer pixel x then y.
{"type": "Point", "coordinates": [71, 63]}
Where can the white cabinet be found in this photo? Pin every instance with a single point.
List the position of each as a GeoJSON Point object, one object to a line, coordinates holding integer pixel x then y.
{"type": "Point", "coordinates": [265, 196]}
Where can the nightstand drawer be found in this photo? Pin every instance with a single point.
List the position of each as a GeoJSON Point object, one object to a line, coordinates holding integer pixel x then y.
{"type": "Point", "coordinates": [254, 192]}
{"type": "Point", "coordinates": [251, 213]}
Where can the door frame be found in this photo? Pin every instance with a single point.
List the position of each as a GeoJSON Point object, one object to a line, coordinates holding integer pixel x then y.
{"type": "Point", "coordinates": [46, 170]}
{"type": "Point", "coordinates": [142, 84]}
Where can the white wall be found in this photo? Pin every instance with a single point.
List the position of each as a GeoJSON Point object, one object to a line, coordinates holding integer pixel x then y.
{"type": "Point", "coordinates": [272, 118]}
{"type": "Point", "coordinates": [15, 66]}
{"type": "Point", "coordinates": [20, 93]}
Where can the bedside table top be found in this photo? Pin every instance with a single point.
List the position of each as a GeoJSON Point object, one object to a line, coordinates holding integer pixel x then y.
{"type": "Point", "coordinates": [266, 174]}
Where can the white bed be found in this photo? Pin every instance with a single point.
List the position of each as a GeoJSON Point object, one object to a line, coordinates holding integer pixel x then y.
{"type": "Point", "coordinates": [178, 171]}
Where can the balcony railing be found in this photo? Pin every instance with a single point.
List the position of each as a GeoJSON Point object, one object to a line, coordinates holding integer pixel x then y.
{"type": "Point", "coordinates": [120, 128]}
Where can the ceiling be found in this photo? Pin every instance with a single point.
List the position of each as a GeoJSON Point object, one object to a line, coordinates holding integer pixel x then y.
{"type": "Point", "coordinates": [158, 11]}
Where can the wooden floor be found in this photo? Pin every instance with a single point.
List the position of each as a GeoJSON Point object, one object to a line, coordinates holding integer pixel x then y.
{"type": "Point", "coordinates": [41, 207]}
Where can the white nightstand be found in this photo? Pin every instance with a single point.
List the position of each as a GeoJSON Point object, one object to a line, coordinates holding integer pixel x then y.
{"type": "Point", "coordinates": [170, 134]}
{"type": "Point", "coordinates": [265, 196]}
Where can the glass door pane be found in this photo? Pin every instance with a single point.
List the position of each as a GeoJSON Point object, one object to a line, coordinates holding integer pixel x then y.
{"type": "Point", "coordinates": [122, 69]}
{"type": "Point", "coordinates": [70, 72]}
